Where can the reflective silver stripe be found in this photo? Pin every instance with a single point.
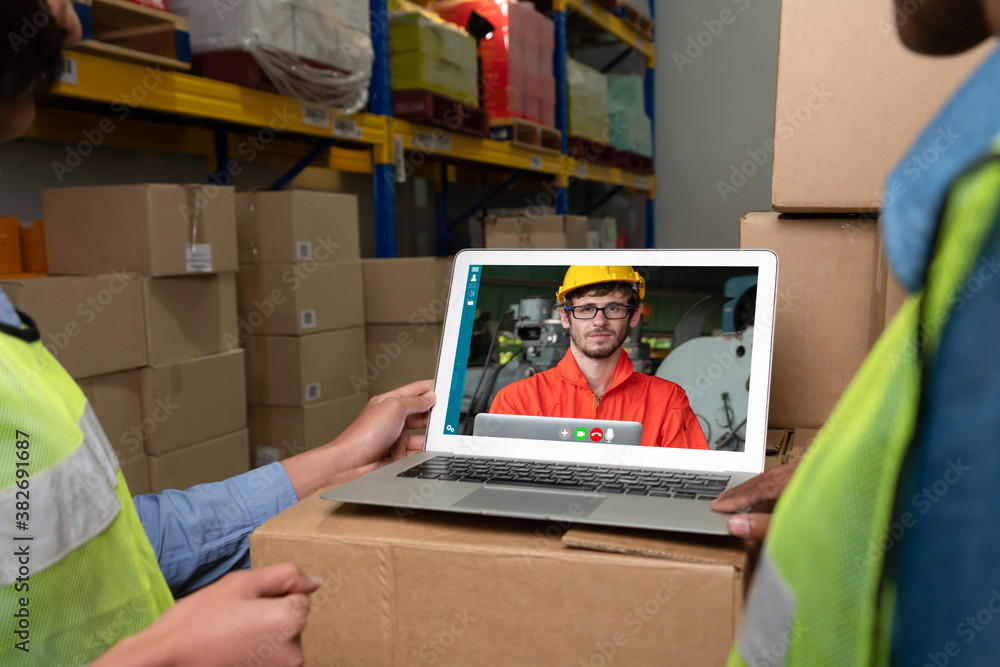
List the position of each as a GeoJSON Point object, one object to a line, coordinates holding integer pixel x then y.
{"type": "Point", "coordinates": [68, 504]}
{"type": "Point", "coordinates": [767, 630]}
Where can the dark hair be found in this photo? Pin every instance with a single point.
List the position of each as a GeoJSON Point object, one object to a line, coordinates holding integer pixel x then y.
{"type": "Point", "coordinates": [603, 289]}
{"type": "Point", "coordinates": [30, 56]}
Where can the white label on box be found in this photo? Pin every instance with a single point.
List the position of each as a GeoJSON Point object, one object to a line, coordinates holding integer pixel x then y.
{"type": "Point", "coordinates": [313, 391]}
{"type": "Point", "coordinates": [432, 141]}
{"type": "Point", "coordinates": [267, 456]}
{"type": "Point", "coordinates": [308, 318]}
{"type": "Point", "coordinates": [581, 170]}
{"type": "Point", "coordinates": [642, 182]}
{"type": "Point", "coordinates": [316, 117]}
{"type": "Point", "coordinates": [400, 160]}
{"type": "Point", "coordinates": [536, 163]}
{"type": "Point", "coordinates": [346, 129]}
{"type": "Point", "coordinates": [69, 72]}
{"type": "Point", "coordinates": [304, 250]}
{"type": "Point", "coordinates": [198, 257]}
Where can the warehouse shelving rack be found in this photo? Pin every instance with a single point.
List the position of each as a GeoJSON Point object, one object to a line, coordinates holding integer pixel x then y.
{"type": "Point", "coordinates": [177, 112]}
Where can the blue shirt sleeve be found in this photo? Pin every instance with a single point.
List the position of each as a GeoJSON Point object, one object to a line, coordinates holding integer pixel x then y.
{"type": "Point", "coordinates": [202, 533]}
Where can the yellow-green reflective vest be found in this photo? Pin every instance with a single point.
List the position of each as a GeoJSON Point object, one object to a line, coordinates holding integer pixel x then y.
{"type": "Point", "coordinates": [77, 573]}
{"type": "Point", "coordinates": [819, 596]}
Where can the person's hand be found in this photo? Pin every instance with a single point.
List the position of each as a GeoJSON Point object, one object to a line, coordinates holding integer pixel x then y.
{"type": "Point", "coordinates": [754, 500]}
{"type": "Point", "coordinates": [253, 615]}
{"type": "Point", "coordinates": [376, 438]}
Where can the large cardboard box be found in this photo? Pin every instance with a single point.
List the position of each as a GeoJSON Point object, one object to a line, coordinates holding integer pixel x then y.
{"type": "Point", "coordinates": [297, 225]}
{"type": "Point", "coordinates": [407, 290]}
{"type": "Point", "coordinates": [407, 588]}
{"type": "Point", "coordinates": [136, 474]}
{"type": "Point", "coordinates": [189, 317]}
{"type": "Point", "coordinates": [851, 99]}
{"type": "Point", "coordinates": [153, 230]}
{"type": "Point", "coordinates": [214, 460]}
{"type": "Point", "coordinates": [192, 400]}
{"type": "Point", "coordinates": [296, 370]}
{"type": "Point", "coordinates": [398, 354]}
{"type": "Point", "coordinates": [91, 325]}
{"type": "Point", "coordinates": [540, 231]}
{"type": "Point", "coordinates": [305, 297]}
{"type": "Point", "coordinates": [278, 433]}
{"type": "Point", "coordinates": [828, 309]}
{"type": "Point", "coordinates": [115, 400]}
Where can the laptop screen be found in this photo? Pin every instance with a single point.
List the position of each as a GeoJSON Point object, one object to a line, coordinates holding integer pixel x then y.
{"type": "Point", "coordinates": [656, 355]}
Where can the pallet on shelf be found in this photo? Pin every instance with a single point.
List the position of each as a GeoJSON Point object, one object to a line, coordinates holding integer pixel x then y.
{"type": "Point", "coordinates": [631, 161]}
{"type": "Point", "coordinates": [234, 66]}
{"type": "Point", "coordinates": [430, 108]}
{"type": "Point", "coordinates": [132, 32]}
{"type": "Point", "coordinates": [643, 25]}
{"type": "Point", "coordinates": [593, 151]}
{"type": "Point", "coordinates": [527, 134]}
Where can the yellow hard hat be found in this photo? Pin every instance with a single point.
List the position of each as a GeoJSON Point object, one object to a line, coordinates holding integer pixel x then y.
{"type": "Point", "coordinates": [581, 276]}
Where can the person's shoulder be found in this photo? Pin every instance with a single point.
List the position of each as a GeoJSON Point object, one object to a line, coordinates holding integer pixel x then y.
{"type": "Point", "coordinates": [659, 385]}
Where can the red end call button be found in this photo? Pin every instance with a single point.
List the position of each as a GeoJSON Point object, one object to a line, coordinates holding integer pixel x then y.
{"type": "Point", "coordinates": [596, 434]}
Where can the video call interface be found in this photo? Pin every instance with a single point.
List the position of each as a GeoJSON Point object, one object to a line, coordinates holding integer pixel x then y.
{"type": "Point", "coordinates": [527, 365]}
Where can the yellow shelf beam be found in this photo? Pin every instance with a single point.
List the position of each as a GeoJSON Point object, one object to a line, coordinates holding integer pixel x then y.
{"type": "Point", "coordinates": [435, 143]}
{"type": "Point", "coordinates": [127, 85]}
{"type": "Point", "coordinates": [603, 18]}
{"type": "Point", "coordinates": [589, 171]}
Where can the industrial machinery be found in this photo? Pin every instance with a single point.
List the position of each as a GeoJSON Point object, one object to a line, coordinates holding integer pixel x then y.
{"type": "Point", "coordinates": [715, 370]}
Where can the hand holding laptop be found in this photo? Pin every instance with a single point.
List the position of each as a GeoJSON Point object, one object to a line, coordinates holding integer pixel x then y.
{"type": "Point", "coordinates": [375, 439]}
{"type": "Point", "coordinates": [754, 500]}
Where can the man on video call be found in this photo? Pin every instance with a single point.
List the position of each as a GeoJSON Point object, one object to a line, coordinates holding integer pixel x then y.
{"type": "Point", "coordinates": [596, 379]}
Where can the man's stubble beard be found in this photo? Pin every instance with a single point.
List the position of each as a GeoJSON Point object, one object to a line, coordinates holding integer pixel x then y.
{"type": "Point", "coordinates": [580, 338]}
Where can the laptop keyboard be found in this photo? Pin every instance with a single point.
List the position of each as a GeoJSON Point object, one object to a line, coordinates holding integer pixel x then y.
{"type": "Point", "coordinates": [571, 477]}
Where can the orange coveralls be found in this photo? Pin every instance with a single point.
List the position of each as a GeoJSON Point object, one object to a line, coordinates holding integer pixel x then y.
{"type": "Point", "coordinates": [659, 405]}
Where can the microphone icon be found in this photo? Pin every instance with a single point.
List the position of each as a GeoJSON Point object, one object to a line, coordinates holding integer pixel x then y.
{"type": "Point", "coordinates": [611, 434]}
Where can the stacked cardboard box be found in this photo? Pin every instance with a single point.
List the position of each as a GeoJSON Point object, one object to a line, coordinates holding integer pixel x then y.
{"type": "Point", "coordinates": [537, 231]}
{"type": "Point", "coordinates": [301, 318]}
{"type": "Point", "coordinates": [630, 127]}
{"type": "Point", "coordinates": [405, 301]}
{"type": "Point", "coordinates": [141, 316]}
{"type": "Point", "coordinates": [433, 55]}
{"type": "Point", "coordinates": [588, 101]}
{"type": "Point", "coordinates": [518, 81]}
{"type": "Point", "coordinates": [832, 156]}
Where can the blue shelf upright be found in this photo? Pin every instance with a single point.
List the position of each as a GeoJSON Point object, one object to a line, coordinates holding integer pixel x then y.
{"type": "Point", "coordinates": [380, 103]}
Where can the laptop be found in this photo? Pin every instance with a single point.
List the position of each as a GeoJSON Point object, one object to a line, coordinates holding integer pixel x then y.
{"type": "Point", "coordinates": [706, 327]}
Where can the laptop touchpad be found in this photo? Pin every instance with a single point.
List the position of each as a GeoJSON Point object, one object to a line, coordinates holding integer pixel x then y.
{"type": "Point", "coordinates": [548, 503]}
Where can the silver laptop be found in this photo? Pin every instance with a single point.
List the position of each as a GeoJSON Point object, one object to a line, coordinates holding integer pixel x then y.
{"type": "Point", "coordinates": [504, 440]}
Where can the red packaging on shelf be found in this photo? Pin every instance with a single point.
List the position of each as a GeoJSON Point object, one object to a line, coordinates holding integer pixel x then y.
{"type": "Point", "coordinates": [155, 4]}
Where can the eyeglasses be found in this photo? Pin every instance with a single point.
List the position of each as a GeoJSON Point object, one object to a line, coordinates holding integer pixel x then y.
{"type": "Point", "coordinates": [614, 311]}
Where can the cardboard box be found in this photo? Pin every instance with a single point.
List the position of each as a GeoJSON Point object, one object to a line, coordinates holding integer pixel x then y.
{"type": "Point", "coordinates": [189, 317]}
{"type": "Point", "coordinates": [399, 354]}
{"type": "Point", "coordinates": [799, 444]}
{"type": "Point", "coordinates": [153, 230]}
{"type": "Point", "coordinates": [92, 325]}
{"type": "Point", "coordinates": [450, 589]}
{"type": "Point", "coordinates": [408, 290]}
{"type": "Point", "coordinates": [214, 460]}
{"type": "Point", "coordinates": [115, 400]}
{"type": "Point", "coordinates": [305, 297]}
{"type": "Point", "coordinates": [851, 99]}
{"type": "Point", "coordinates": [278, 433]}
{"type": "Point", "coordinates": [540, 231]}
{"type": "Point", "coordinates": [774, 447]}
{"type": "Point", "coordinates": [824, 324]}
{"type": "Point", "coordinates": [136, 473]}
{"type": "Point", "coordinates": [296, 370]}
{"type": "Point", "coordinates": [297, 225]}
{"type": "Point", "coordinates": [192, 400]}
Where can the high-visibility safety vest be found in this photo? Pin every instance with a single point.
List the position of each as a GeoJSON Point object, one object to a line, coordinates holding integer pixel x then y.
{"type": "Point", "coordinates": [820, 595]}
{"type": "Point", "coordinates": [77, 573]}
